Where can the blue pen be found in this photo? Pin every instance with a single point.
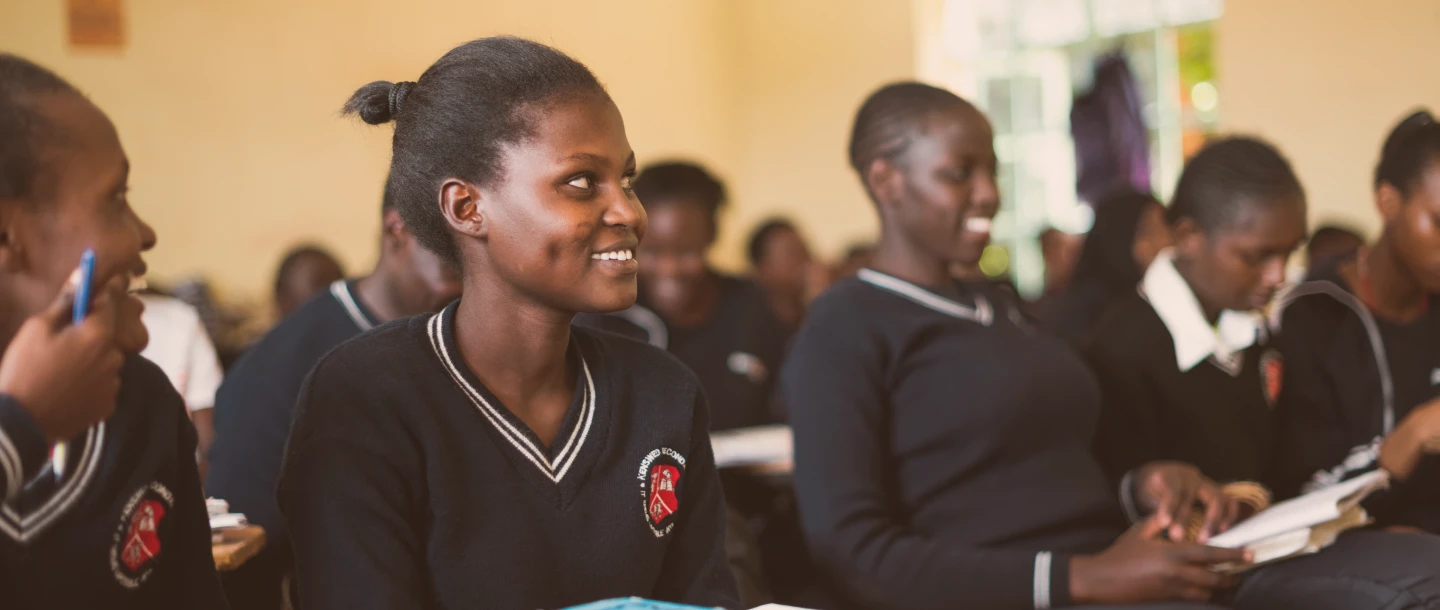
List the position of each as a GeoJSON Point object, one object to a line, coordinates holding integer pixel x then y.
{"type": "Point", "coordinates": [83, 288]}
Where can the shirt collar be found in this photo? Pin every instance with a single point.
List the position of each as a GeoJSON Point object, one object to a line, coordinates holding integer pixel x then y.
{"type": "Point", "coordinates": [1195, 340]}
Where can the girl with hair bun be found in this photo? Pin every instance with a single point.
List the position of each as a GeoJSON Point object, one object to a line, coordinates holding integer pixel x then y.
{"type": "Point", "coordinates": [492, 455]}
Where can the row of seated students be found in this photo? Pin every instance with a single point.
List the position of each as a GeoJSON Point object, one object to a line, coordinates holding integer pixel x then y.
{"type": "Point", "coordinates": [949, 451]}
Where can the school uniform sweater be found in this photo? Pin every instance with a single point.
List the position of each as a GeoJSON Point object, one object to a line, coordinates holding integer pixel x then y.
{"type": "Point", "coordinates": [407, 484]}
{"type": "Point", "coordinates": [942, 448]}
{"type": "Point", "coordinates": [256, 403]}
{"type": "Point", "coordinates": [1350, 378]}
{"type": "Point", "coordinates": [124, 525]}
{"type": "Point", "coordinates": [736, 353]}
{"type": "Point", "coordinates": [1175, 388]}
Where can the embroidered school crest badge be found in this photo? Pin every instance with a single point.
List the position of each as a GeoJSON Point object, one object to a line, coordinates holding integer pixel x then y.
{"type": "Point", "coordinates": [659, 475]}
{"type": "Point", "coordinates": [136, 546]}
{"type": "Point", "coordinates": [1272, 370]}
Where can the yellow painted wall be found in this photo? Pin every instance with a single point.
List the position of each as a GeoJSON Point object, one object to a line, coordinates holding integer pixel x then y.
{"type": "Point", "coordinates": [805, 66]}
{"type": "Point", "coordinates": [1326, 80]}
{"type": "Point", "coordinates": [229, 109]}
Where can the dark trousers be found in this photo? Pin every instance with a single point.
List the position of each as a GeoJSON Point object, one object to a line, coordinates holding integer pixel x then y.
{"type": "Point", "coordinates": [1364, 570]}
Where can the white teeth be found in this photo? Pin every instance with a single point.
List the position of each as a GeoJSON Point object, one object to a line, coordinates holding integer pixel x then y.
{"type": "Point", "coordinates": [977, 225]}
{"type": "Point", "coordinates": [619, 255]}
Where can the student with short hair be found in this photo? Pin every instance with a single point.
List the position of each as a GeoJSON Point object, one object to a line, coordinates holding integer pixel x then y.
{"type": "Point", "coordinates": [493, 455]}
{"type": "Point", "coordinates": [782, 266]}
{"type": "Point", "coordinates": [256, 403]}
{"type": "Point", "coordinates": [1187, 370]}
{"type": "Point", "coordinates": [304, 272]}
{"type": "Point", "coordinates": [1361, 348]}
{"type": "Point", "coordinates": [102, 503]}
{"type": "Point", "coordinates": [1329, 247]}
{"type": "Point", "coordinates": [942, 442]}
{"type": "Point", "coordinates": [720, 326]}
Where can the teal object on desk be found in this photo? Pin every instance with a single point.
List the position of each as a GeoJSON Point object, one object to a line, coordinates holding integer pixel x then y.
{"type": "Point", "coordinates": [634, 603]}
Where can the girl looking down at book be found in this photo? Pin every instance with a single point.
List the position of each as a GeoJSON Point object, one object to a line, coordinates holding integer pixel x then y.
{"type": "Point", "coordinates": [942, 442]}
{"type": "Point", "coordinates": [1362, 348]}
{"type": "Point", "coordinates": [1188, 371]}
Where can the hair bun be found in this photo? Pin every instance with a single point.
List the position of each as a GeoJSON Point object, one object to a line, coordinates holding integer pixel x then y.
{"type": "Point", "coordinates": [398, 91]}
{"type": "Point", "coordinates": [378, 102]}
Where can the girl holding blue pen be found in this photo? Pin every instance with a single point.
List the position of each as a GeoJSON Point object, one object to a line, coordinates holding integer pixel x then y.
{"type": "Point", "coordinates": [116, 518]}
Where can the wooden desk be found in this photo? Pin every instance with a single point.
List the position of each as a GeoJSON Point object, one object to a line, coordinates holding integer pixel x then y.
{"type": "Point", "coordinates": [237, 547]}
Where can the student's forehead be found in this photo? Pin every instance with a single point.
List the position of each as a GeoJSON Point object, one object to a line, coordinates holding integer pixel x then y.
{"type": "Point", "coordinates": [80, 140]}
{"type": "Point", "coordinates": [1271, 221]}
{"type": "Point", "coordinates": [585, 126]}
{"type": "Point", "coordinates": [959, 130]}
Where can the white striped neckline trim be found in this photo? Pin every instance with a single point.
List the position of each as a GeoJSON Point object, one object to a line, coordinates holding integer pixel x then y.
{"type": "Point", "coordinates": [28, 527]}
{"type": "Point", "coordinates": [341, 291]}
{"type": "Point", "coordinates": [10, 461]}
{"type": "Point", "coordinates": [566, 457]}
{"type": "Point", "coordinates": [981, 313]}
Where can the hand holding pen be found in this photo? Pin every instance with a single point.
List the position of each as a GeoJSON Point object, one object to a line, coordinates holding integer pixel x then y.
{"type": "Point", "coordinates": [67, 376]}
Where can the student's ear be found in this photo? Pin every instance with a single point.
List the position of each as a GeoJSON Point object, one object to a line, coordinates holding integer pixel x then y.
{"type": "Point", "coordinates": [885, 182]}
{"type": "Point", "coordinates": [393, 231]}
{"type": "Point", "coordinates": [462, 206]}
{"type": "Point", "coordinates": [12, 253]}
{"type": "Point", "coordinates": [1188, 238]}
{"type": "Point", "coordinates": [1388, 201]}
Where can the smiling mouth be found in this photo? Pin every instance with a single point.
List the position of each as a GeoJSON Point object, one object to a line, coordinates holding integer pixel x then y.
{"type": "Point", "coordinates": [617, 255]}
{"type": "Point", "coordinates": [978, 224]}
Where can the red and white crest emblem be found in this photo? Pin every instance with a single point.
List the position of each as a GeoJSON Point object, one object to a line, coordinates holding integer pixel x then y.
{"type": "Point", "coordinates": [1272, 372]}
{"type": "Point", "coordinates": [660, 474]}
{"type": "Point", "coordinates": [137, 543]}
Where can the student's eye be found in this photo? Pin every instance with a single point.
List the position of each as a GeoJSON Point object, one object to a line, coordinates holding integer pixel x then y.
{"type": "Point", "coordinates": [626, 182]}
{"type": "Point", "coordinates": [582, 182]}
{"type": "Point", "coordinates": [961, 173]}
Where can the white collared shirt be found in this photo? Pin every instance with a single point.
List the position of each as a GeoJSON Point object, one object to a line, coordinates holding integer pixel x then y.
{"type": "Point", "coordinates": [1195, 339]}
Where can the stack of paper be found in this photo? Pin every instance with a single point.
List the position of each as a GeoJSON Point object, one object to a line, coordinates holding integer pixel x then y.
{"type": "Point", "coordinates": [1305, 524]}
{"type": "Point", "coordinates": [220, 516]}
{"type": "Point", "coordinates": [758, 446]}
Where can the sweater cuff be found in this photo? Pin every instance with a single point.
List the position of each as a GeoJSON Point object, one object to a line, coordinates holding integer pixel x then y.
{"type": "Point", "coordinates": [1052, 580]}
{"type": "Point", "coordinates": [22, 445]}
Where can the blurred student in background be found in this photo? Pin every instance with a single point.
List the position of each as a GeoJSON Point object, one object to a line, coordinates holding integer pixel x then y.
{"type": "Point", "coordinates": [181, 347]}
{"type": "Point", "coordinates": [1329, 247]}
{"type": "Point", "coordinates": [913, 498]}
{"type": "Point", "coordinates": [1059, 250]}
{"type": "Point", "coordinates": [102, 501]}
{"type": "Point", "coordinates": [782, 265]}
{"type": "Point", "coordinates": [722, 327]}
{"type": "Point", "coordinates": [1128, 232]}
{"type": "Point", "coordinates": [1362, 348]}
{"type": "Point", "coordinates": [1188, 373]}
{"type": "Point", "coordinates": [256, 402]}
{"type": "Point", "coordinates": [304, 272]}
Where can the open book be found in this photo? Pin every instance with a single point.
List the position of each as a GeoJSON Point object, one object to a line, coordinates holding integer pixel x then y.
{"type": "Point", "coordinates": [1305, 524]}
{"type": "Point", "coordinates": [758, 446]}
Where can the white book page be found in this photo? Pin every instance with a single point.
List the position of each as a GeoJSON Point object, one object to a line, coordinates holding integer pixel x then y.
{"type": "Point", "coordinates": [1302, 512]}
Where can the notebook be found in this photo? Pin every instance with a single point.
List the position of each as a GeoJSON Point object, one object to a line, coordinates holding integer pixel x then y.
{"type": "Point", "coordinates": [1303, 525]}
{"type": "Point", "coordinates": [757, 446]}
